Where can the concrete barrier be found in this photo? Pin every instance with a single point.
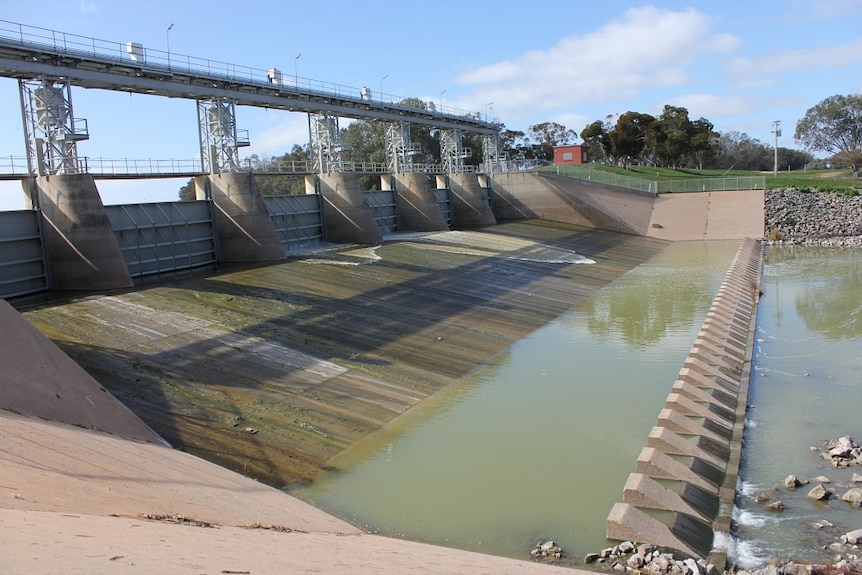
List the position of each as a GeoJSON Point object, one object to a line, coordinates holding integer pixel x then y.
{"type": "Point", "coordinates": [695, 448]}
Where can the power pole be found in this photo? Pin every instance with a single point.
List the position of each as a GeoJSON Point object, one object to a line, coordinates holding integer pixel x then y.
{"type": "Point", "coordinates": [776, 129]}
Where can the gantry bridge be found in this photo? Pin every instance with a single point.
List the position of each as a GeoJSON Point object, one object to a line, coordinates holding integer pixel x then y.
{"type": "Point", "coordinates": [47, 62]}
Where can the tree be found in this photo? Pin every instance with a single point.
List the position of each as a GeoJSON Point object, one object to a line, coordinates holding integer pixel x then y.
{"type": "Point", "coordinates": [628, 138]}
{"type": "Point", "coordinates": [595, 137]}
{"type": "Point", "coordinates": [547, 135]}
{"type": "Point", "coordinates": [675, 130]}
{"type": "Point", "coordinates": [703, 142]}
{"type": "Point", "coordinates": [187, 192]}
{"type": "Point", "coordinates": [835, 126]}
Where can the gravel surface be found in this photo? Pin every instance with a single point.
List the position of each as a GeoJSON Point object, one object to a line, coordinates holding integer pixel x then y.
{"type": "Point", "coordinates": [813, 218]}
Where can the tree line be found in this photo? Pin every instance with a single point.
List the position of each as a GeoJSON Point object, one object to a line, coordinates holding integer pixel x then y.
{"type": "Point", "coordinates": [671, 140]}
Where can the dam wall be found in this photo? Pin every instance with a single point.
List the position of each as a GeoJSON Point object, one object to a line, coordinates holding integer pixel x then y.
{"type": "Point", "coordinates": [676, 217]}
{"type": "Point", "coordinates": [689, 468]}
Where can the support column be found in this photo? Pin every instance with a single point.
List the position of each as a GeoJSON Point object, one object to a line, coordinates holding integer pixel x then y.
{"type": "Point", "coordinates": [418, 210]}
{"type": "Point", "coordinates": [82, 251]}
{"type": "Point", "coordinates": [346, 216]}
{"type": "Point", "coordinates": [246, 233]}
{"type": "Point", "coordinates": [469, 206]}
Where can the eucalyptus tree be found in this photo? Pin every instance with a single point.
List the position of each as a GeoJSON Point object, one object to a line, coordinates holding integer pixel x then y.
{"type": "Point", "coordinates": [835, 126]}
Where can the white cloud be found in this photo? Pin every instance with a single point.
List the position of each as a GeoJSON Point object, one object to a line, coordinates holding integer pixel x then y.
{"type": "Point", "coordinates": [86, 6]}
{"type": "Point", "coordinates": [280, 138]}
{"type": "Point", "coordinates": [712, 106]}
{"type": "Point", "coordinates": [645, 48]}
{"type": "Point", "coordinates": [760, 71]}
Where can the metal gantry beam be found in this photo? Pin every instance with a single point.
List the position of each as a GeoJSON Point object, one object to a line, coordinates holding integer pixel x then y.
{"type": "Point", "coordinates": [219, 138]}
{"type": "Point", "coordinates": [30, 52]}
{"type": "Point", "coordinates": [50, 128]}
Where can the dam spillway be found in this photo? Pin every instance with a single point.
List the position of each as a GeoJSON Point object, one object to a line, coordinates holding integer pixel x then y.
{"type": "Point", "coordinates": [690, 465]}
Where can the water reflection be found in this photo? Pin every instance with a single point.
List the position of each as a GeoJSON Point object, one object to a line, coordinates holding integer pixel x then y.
{"type": "Point", "coordinates": [539, 442]}
{"type": "Point", "coordinates": [664, 296]}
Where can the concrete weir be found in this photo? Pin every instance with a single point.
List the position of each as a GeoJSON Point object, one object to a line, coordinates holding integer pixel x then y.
{"type": "Point", "coordinates": [689, 469]}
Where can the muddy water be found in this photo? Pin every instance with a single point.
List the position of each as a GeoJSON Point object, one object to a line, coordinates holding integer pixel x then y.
{"type": "Point", "coordinates": [539, 442]}
{"type": "Point", "coordinates": [806, 388]}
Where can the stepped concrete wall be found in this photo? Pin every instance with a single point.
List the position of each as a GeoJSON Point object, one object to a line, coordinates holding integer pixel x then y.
{"type": "Point", "coordinates": [690, 466]}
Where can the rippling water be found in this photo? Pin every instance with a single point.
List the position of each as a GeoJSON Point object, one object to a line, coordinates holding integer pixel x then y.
{"type": "Point", "coordinates": [538, 443]}
{"type": "Point", "coordinates": [806, 388]}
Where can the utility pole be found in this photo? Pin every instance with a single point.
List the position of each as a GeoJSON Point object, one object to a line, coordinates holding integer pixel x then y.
{"type": "Point", "coordinates": [776, 129]}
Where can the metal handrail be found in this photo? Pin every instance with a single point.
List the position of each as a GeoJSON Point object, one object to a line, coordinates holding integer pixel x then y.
{"type": "Point", "coordinates": [138, 56]}
{"type": "Point", "coordinates": [686, 185]}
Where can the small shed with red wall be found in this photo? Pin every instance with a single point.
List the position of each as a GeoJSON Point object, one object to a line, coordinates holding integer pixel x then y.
{"type": "Point", "coordinates": [575, 154]}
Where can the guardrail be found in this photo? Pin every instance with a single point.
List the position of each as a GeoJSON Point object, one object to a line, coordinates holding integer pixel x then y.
{"type": "Point", "coordinates": [140, 56]}
{"type": "Point", "coordinates": [659, 187]}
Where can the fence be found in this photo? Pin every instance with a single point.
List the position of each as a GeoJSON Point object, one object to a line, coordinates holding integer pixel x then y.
{"type": "Point", "coordinates": [654, 187]}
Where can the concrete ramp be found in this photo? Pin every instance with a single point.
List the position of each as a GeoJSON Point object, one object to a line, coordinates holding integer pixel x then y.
{"type": "Point", "coordinates": [39, 380]}
{"type": "Point", "coordinates": [687, 475]}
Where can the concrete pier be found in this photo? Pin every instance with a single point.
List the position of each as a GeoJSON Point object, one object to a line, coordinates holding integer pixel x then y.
{"type": "Point", "coordinates": [79, 240]}
{"type": "Point", "coordinates": [703, 421]}
{"type": "Point", "coordinates": [418, 210]}
{"type": "Point", "coordinates": [245, 230]}
{"type": "Point", "coordinates": [348, 220]}
{"type": "Point", "coordinates": [469, 207]}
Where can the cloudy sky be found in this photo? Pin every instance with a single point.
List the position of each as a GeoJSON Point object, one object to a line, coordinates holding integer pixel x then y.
{"type": "Point", "coordinates": [739, 63]}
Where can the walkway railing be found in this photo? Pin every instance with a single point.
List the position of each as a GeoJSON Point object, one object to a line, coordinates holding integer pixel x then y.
{"type": "Point", "coordinates": [659, 187]}
{"type": "Point", "coordinates": [132, 53]}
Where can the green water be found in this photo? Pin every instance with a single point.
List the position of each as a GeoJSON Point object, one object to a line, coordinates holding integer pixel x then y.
{"type": "Point", "coordinates": [538, 443]}
{"type": "Point", "coordinates": [806, 388]}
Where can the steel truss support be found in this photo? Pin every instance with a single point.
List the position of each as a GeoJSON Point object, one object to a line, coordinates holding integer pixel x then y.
{"type": "Point", "coordinates": [327, 151]}
{"type": "Point", "coordinates": [492, 158]}
{"type": "Point", "coordinates": [452, 152]}
{"type": "Point", "coordinates": [50, 127]}
{"type": "Point", "coordinates": [219, 138]}
{"type": "Point", "coordinates": [399, 150]}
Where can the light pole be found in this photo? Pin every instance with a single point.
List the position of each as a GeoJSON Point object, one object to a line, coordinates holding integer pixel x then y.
{"type": "Point", "coordinates": [776, 129]}
{"type": "Point", "coordinates": [488, 105]}
{"type": "Point", "coordinates": [295, 72]}
{"type": "Point", "coordinates": [441, 100]}
{"type": "Point", "coordinates": [381, 85]}
{"type": "Point", "coordinates": [168, 37]}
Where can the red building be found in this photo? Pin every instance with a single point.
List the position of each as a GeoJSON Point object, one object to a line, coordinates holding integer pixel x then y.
{"type": "Point", "coordinates": [576, 154]}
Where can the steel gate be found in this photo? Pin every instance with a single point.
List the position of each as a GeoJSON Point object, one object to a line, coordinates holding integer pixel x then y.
{"type": "Point", "coordinates": [23, 271]}
{"type": "Point", "coordinates": [165, 238]}
{"type": "Point", "coordinates": [298, 219]}
{"type": "Point", "coordinates": [384, 207]}
{"type": "Point", "coordinates": [445, 203]}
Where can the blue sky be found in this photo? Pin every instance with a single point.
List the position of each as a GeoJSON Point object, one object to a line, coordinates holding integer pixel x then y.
{"type": "Point", "coordinates": [739, 63]}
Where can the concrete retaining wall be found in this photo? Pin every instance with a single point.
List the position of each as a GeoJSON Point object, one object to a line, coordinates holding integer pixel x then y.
{"type": "Point", "coordinates": [675, 217]}
{"type": "Point", "coordinates": [690, 466]}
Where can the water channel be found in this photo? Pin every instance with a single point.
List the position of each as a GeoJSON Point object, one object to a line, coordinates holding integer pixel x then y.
{"type": "Point", "coordinates": [806, 389]}
{"type": "Point", "coordinates": [538, 443]}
